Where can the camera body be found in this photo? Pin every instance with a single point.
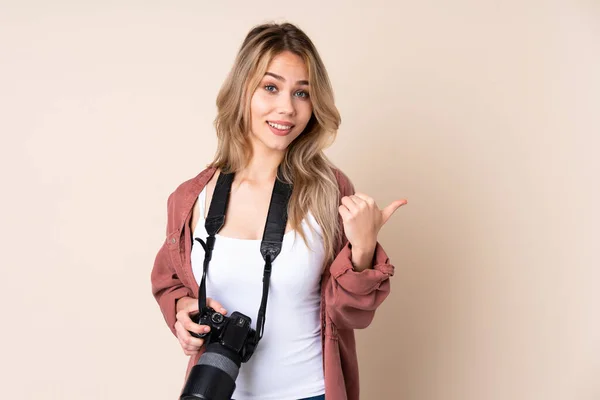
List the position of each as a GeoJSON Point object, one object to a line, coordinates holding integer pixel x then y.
{"type": "Point", "coordinates": [233, 332]}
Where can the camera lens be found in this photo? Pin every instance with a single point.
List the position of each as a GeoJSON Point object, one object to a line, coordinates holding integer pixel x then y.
{"type": "Point", "coordinates": [213, 378]}
{"type": "Point", "coordinates": [217, 318]}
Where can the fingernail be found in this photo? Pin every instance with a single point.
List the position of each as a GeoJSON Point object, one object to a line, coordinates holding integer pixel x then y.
{"type": "Point", "coordinates": [206, 329]}
{"type": "Point", "coordinates": [223, 311]}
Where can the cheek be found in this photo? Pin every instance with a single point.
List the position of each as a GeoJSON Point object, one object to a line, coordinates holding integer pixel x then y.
{"type": "Point", "coordinates": [307, 111]}
{"type": "Point", "coordinates": [259, 106]}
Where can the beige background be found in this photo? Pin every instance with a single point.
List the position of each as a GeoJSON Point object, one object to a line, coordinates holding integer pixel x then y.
{"type": "Point", "coordinates": [483, 114]}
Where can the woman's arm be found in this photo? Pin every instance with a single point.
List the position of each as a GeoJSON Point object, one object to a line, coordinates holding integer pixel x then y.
{"type": "Point", "coordinates": [167, 288]}
{"type": "Point", "coordinates": [359, 280]}
{"type": "Point", "coordinates": [352, 297]}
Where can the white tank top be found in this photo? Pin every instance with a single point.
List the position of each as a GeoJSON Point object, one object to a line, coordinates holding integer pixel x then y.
{"type": "Point", "coordinates": [288, 362]}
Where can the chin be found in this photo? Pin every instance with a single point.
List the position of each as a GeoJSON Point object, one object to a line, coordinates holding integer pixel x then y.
{"type": "Point", "coordinates": [279, 144]}
{"type": "Point", "coordinates": [281, 147]}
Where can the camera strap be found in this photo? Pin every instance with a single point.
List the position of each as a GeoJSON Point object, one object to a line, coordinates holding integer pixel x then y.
{"type": "Point", "coordinates": [271, 243]}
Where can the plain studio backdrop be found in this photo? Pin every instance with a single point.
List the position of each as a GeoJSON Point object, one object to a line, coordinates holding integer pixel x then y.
{"type": "Point", "coordinates": [483, 114]}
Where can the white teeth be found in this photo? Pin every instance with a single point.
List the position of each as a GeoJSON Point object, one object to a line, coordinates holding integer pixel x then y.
{"type": "Point", "coordinates": [280, 127]}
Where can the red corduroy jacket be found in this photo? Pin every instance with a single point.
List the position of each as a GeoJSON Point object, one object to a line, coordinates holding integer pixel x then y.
{"type": "Point", "coordinates": [348, 298]}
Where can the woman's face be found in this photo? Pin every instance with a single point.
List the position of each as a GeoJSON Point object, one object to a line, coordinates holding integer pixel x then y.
{"type": "Point", "coordinates": [280, 107]}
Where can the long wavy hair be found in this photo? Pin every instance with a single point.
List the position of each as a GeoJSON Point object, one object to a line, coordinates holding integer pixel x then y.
{"type": "Point", "coordinates": [304, 164]}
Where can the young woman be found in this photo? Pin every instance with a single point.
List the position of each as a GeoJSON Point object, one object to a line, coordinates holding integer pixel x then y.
{"type": "Point", "coordinates": [276, 112]}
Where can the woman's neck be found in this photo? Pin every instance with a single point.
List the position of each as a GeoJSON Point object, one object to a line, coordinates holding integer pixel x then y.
{"type": "Point", "coordinates": [262, 167]}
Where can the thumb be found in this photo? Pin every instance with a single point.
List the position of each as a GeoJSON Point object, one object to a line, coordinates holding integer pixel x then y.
{"type": "Point", "coordinates": [387, 212]}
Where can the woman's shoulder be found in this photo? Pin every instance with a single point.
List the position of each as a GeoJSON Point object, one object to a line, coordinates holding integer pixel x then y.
{"type": "Point", "coordinates": [189, 189]}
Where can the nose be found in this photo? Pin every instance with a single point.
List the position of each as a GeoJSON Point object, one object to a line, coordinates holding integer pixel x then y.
{"type": "Point", "coordinates": [285, 104]}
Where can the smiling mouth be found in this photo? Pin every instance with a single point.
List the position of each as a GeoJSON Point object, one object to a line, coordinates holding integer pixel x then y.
{"type": "Point", "coordinates": [279, 126]}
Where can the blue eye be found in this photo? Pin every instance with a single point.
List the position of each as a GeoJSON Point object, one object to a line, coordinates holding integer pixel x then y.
{"type": "Point", "coordinates": [300, 93]}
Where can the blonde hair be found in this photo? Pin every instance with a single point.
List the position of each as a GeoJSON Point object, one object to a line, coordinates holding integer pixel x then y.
{"type": "Point", "coordinates": [304, 164]}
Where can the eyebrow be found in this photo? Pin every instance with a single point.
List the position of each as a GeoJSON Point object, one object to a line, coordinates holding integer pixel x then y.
{"type": "Point", "coordinates": [281, 78]}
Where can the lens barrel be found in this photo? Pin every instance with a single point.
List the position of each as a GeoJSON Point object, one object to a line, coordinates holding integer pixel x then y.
{"type": "Point", "coordinates": [213, 377]}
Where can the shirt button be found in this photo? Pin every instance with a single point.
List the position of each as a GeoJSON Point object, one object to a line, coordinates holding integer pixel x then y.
{"type": "Point", "coordinates": [173, 240]}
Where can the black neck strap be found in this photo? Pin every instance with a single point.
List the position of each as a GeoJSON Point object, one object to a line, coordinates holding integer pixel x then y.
{"type": "Point", "coordinates": [270, 246]}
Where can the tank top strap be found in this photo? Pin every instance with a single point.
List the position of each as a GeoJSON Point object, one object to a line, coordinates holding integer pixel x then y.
{"type": "Point", "coordinates": [202, 201]}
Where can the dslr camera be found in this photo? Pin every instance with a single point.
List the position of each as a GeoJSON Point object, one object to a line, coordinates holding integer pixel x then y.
{"type": "Point", "coordinates": [230, 342]}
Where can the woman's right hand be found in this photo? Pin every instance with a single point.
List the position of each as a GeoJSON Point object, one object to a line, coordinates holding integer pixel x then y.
{"type": "Point", "coordinates": [184, 324]}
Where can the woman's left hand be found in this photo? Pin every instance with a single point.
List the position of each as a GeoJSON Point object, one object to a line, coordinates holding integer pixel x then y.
{"type": "Point", "coordinates": [363, 219]}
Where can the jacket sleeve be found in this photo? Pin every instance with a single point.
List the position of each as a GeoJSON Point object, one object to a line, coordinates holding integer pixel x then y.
{"type": "Point", "coordinates": [353, 297]}
{"type": "Point", "coordinates": [167, 288]}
